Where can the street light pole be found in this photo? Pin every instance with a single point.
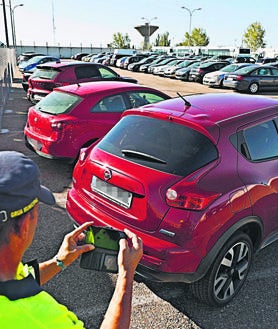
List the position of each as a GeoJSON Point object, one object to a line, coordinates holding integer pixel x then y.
{"type": "Point", "coordinates": [149, 28]}
{"type": "Point", "coordinates": [190, 21]}
{"type": "Point", "coordinates": [12, 9]}
{"type": "Point", "coordinates": [5, 23]}
{"type": "Point", "coordinates": [13, 22]}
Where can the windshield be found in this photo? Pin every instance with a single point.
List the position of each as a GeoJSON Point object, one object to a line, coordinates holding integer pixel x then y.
{"type": "Point", "coordinates": [159, 144]}
{"type": "Point", "coordinates": [229, 68]}
{"type": "Point", "coordinates": [185, 63]}
{"type": "Point", "coordinates": [57, 103]}
{"type": "Point", "coordinates": [34, 59]}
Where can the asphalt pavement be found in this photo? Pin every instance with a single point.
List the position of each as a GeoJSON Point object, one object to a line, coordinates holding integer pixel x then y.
{"type": "Point", "coordinates": [155, 305]}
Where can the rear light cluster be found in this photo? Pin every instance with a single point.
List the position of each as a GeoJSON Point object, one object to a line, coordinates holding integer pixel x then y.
{"type": "Point", "coordinates": [239, 77]}
{"type": "Point", "coordinates": [58, 125]}
{"type": "Point", "coordinates": [190, 199]}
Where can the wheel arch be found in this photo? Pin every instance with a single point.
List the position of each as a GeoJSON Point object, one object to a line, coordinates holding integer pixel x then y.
{"type": "Point", "coordinates": [252, 226]}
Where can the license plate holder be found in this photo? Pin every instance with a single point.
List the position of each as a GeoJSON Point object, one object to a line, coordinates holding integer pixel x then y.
{"type": "Point", "coordinates": [111, 192]}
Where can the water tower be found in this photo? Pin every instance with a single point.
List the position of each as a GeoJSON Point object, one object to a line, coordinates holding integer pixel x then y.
{"type": "Point", "coordinates": [146, 31]}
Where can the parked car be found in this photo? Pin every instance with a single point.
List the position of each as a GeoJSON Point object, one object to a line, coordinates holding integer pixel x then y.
{"type": "Point", "coordinates": [253, 79]}
{"type": "Point", "coordinates": [87, 58]}
{"type": "Point", "coordinates": [136, 66]}
{"type": "Point", "coordinates": [159, 70]}
{"type": "Point", "coordinates": [133, 59]}
{"type": "Point", "coordinates": [153, 61]}
{"type": "Point", "coordinates": [171, 71]}
{"type": "Point", "coordinates": [245, 59]}
{"type": "Point", "coordinates": [24, 57]}
{"type": "Point", "coordinates": [163, 61]}
{"type": "Point", "coordinates": [75, 116]}
{"type": "Point", "coordinates": [34, 61]}
{"type": "Point", "coordinates": [274, 64]}
{"type": "Point", "coordinates": [197, 182]}
{"type": "Point", "coordinates": [216, 78]}
{"type": "Point", "coordinates": [183, 74]}
{"type": "Point", "coordinates": [31, 66]}
{"type": "Point", "coordinates": [197, 73]}
{"type": "Point", "coordinates": [120, 62]}
{"type": "Point", "coordinates": [78, 56]}
{"type": "Point", "coordinates": [49, 76]}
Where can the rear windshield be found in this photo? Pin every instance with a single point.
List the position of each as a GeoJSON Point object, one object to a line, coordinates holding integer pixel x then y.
{"type": "Point", "coordinates": [159, 144]}
{"type": "Point", "coordinates": [45, 74]}
{"type": "Point", "coordinates": [57, 103]}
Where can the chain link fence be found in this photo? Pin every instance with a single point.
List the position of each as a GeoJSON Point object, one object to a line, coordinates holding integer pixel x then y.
{"type": "Point", "coordinates": [7, 68]}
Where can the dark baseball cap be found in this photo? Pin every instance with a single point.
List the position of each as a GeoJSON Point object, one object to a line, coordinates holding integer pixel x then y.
{"type": "Point", "coordinates": [20, 188]}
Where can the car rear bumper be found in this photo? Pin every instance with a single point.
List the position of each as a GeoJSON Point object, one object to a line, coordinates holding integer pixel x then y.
{"type": "Point", "coordinates": [152, 275]}
{"type": "Point", "coordinates": [162, 260]}
{"type": "Point", "coordinates": [46, 147]}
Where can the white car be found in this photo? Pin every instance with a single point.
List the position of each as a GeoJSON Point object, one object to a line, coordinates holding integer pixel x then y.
{"type": "Point", "coordinates": [215, 79]}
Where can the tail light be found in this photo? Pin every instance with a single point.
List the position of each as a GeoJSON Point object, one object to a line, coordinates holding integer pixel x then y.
{"type": "Point", "coordinates": [59, 125]}
{"type": "Point", "coordinates": [190, 199]}
{"type": "Point", "coordinates": [239, 77]}
{"type": "Point", "coordinates": [200, 71]}
{"type": "Point", "coordinates": [186, 194]}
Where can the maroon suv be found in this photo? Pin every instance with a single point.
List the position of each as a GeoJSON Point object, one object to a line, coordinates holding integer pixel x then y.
{"type": "Point", "coordinates": [197, 179]}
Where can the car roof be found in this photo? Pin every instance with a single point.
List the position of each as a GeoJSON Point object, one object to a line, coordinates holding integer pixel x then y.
{"type": "Point", "coordinates": [65, 64]}
{"type": "Point", "coordinates": [87, 88]}
{"type": "Point", "coordinates": [211, 110]}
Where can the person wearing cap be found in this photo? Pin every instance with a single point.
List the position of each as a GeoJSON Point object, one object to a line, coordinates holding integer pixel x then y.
{"type": "Point", "coordinates": [23, 302]}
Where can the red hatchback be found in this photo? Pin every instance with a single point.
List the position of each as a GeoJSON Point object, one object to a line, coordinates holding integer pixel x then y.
{"type": "Point", "coordinates": [196, 179]}
{"type": "Point", "coordinates": [52, 75]}
{"type": "Point", "coordinates": [75, 116]}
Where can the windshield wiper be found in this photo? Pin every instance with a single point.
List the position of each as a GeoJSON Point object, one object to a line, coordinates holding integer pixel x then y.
{"type": "Point", "coordinates": [141, 155]}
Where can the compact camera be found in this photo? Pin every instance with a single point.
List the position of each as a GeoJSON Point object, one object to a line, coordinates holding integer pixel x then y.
{"type": "Point", "coordinates": [104, 256]}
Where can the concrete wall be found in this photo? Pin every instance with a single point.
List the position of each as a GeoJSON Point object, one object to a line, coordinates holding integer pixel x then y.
{"type": "Point", "coordinates": [61, 52]}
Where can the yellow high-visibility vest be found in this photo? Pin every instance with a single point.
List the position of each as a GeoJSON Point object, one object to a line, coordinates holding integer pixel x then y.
{"type": "Point", "coordinates": [24, 305]}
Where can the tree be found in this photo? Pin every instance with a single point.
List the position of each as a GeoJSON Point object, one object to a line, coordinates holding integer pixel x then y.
{"type": "Point", "coordinates": [198, 37]}
{"type": "Point", "coordinates": [163, 40]}
{"type": "Point", "coordinates": [121, 41]}
{"type": "Point", "coordinates": [253, 37]}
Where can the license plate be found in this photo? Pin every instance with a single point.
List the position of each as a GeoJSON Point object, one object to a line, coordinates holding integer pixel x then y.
{"type": "Point", "coordinates": [35, 144]}
{"type": "Point", "coordinates": [111, 192]}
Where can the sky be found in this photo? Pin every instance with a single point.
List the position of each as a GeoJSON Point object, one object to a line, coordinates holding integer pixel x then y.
{"type": "Point", "coordinates": [93, 22]}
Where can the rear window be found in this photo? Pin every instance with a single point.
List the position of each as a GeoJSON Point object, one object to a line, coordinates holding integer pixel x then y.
{"type": "Point", "coordinates": [57, 103]}
{"type": "Point", "coordinates": [45, 74]}
{"type": "Point", "coordinates": [159, 144]}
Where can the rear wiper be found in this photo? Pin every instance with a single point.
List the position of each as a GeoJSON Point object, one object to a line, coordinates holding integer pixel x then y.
{"type": "Point", "coordinates": [141, 155]}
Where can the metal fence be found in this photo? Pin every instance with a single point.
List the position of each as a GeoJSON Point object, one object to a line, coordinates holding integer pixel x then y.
{"type": "Point", "coordinates": [7, 68]}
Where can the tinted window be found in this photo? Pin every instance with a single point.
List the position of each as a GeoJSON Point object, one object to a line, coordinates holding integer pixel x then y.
{"type": "Point", "coordinates": [107, 74]}
{"type": "Point", "coordinates": [113, 103]}
{"type": "Point", "coordinates": [83, 72]}
{"type": "Point", "coordinates": [159, 144]}
{"type": "Point", "coordinates": [139, 98]}
{"type": "Point", "coordinates": [57, 103]}
{"type": "Point", "coordinates": [262, 141]}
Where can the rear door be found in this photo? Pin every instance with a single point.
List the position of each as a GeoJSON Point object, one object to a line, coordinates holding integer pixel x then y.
{"type": "Point", "coordinates": [258, 169]}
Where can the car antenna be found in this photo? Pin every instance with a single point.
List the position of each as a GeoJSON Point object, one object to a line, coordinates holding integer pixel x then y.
{"type": "Point", "coordinates": [185, 101]}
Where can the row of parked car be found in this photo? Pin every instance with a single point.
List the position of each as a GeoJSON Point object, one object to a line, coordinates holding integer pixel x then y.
{"type": "Point", "coordinates": [241, 74]}
{"type": "Point", "coordinates": [195, 177]}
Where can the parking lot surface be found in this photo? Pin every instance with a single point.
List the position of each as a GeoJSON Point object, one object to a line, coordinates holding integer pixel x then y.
{"type": "Point", "coordinates": [155, 305]}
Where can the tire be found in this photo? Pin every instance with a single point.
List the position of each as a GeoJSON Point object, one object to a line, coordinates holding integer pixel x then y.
{"type": "Point", "coordinates": [227, 274]}
{"type": "Point", "coordinates": [253, 88]}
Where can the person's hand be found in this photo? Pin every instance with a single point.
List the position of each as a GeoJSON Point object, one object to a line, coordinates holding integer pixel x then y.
{"type": "Point", "coordinates": [130, 255]}
{"type": "Point", "coordinates": [70, 248]}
